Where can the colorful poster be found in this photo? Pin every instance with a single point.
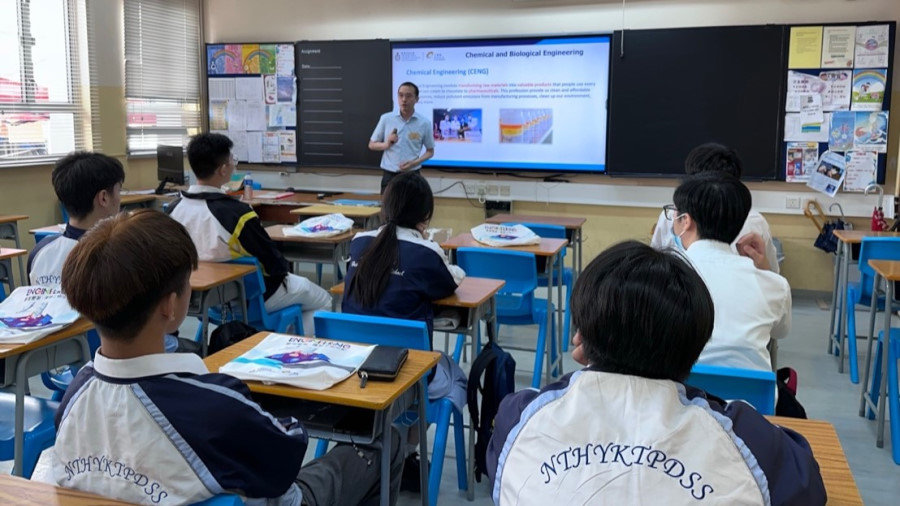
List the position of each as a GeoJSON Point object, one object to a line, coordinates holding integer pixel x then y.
{"type": "Point", "coordinates": [285, 89]}
{"type": "Point", "coordinates": [838, 47]}
{"type": "Point", "coordinates": [223, 59]}
{"type": "Point", "coordinates": [288, 141]}
{"type": "Point", "coordinates": [840, 134]}
{"type": "Point", "coordinates": [801, 161]}
{"type": "Point", "coordinates": [284, 60]}
{"type": "Point", "coordinates": [282, 115]}
{"type": "Point", "coordinates": [862, 167]}
{"type": "Point", "coordinates": [837, 96]}
{"type": "Point", "coordinates": [868, 89]}
{"type": "Point", "coordinates": [811, 115]}
{"type": "Point", "coordinates": [871, 131]}
{"type": "Point", "coordinates": [250, 58]}
{"type": "Point", "coordinates": [872, 46]}
{"type": "Point", "coordinates": [829, 173]}
{"type": "Point", "coordinates": [271, 89]}
{"type": "Point", "coordinates": [794, 132]}
{"type": "Point", "coordinates": [267, 58]}
{"type": "Point", "coordinates": [800, 84]}
{"type": "Point", "coordinates": [805, 50]}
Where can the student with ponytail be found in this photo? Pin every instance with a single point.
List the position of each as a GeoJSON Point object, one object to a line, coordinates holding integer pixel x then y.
{"type": "Point", "coordinates": [394, 271]}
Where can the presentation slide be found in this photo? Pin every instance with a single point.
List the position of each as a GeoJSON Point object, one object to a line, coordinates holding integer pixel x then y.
{"type": "Point", "coordinates": [517, 104]}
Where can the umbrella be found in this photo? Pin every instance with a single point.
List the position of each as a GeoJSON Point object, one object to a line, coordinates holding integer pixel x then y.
{"type": "Point", "coordinates": [878, 222]}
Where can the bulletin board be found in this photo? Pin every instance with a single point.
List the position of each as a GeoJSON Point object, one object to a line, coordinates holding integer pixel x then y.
{"type": "Point", "coordinates": [252, 99]}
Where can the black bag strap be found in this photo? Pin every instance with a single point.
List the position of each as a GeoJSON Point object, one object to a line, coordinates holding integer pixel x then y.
{"type": "Point", "coordinates": [481, 363]}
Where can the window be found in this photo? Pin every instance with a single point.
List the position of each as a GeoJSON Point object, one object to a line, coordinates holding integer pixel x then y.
{"type": "Point", "coordinates": [162, 73]}
{"type": "Point", "coordinates": [41, 110]}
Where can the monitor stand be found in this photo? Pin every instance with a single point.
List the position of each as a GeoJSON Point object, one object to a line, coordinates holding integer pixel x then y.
{"type": "Point", "coordinates": [161, 189]}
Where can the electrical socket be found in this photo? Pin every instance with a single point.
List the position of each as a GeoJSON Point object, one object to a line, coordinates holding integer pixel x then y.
{"type": "Point", "coordinates": [492, 190]}
{"type": "Point", "coordinates": [480, 189]}
{"type": "Point", "coordinates": [792, 203]}
{"type": "Point", "coordinates": [504, 190]}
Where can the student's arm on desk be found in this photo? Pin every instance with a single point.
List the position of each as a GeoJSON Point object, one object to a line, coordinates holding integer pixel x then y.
{"type": "Point", "coordinates": [438, 278]}
{"type": "Point", "coordinates": [243, 447]}
{"type": "Point", "coordinates": [783, 455]}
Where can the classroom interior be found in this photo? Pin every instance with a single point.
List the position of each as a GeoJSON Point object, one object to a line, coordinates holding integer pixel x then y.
{"type": "Point", "coordinates": [616, 208]}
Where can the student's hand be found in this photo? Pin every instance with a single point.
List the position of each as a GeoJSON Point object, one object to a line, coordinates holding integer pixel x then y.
{"type": "Point", "coordinates": [578, 350]}
{"type": "Point", "coordinates": [753, 246]}
{"type": "Point", "coordinates": [406, 165]}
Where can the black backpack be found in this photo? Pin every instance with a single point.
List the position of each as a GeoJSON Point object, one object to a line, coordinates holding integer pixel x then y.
{"type": "Point", "coordinates": [498, 369]}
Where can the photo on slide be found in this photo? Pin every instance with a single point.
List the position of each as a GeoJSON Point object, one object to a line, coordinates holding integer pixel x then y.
{"type": "Point", "coordinates": [526, 126]}
{"type": "Point", "coordinates": [457, 125]}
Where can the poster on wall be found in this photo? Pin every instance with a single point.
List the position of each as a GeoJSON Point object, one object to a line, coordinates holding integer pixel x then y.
{"type": "Point", "coordinates": [801, 161]}
{"type": "Point", "coordinates": [872, 46]}
{"type": "Point", "coordinates": [829, 173]}
{"type": "Point", "coordinates": [838, 47]}
{"type": "Point", "coordinates": [862, 167]}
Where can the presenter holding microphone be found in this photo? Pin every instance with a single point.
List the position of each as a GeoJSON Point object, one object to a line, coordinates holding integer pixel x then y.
{"type": "Point", "coordinates": [403, 136]}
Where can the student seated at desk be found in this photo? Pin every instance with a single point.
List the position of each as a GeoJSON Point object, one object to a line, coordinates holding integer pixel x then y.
{"type": "Point", "coordinates": [713, 157]}
{"type": "Point", "coordinates": [224, 228]}
{"type": "Point", "coordinates": [394, 271]}
{"type": "Point", "coordinates": [146, 427]}
{"type": "Point", "coordinates": [89, 187]}
{"type": "Point", "coordinates": [625, 429]}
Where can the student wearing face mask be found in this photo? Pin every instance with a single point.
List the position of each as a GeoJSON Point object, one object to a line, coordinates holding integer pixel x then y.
{"type": "Point", "coordinates": [712, 157]}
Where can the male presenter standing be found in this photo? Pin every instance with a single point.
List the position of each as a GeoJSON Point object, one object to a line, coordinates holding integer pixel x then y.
{"type": "Point", "coordinates": [402, 136]}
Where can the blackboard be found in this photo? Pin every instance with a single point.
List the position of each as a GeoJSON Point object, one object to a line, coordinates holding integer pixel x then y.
{"type": "Point", "coordinates": [674, 89]}
{"type": "Point", "coordinates": [342, 89]}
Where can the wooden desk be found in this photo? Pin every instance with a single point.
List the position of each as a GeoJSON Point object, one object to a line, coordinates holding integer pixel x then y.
{"type": "Point", "coordinates": [15, 490]}
{"type": "Point", "coordinates": [9, 229]}
{"type": "Point", "coordinates": [378, 396]}
{"type": "Point", "coordinates": [316, 250]}
{"type": "Point", "coordinates": [841, 273]}
{"type": "Point", "coordinates": [137, 201]}
{"type": "Point", "coordinates": [279, 210]}
{"type": "Point", "coordinates": [213, 284]}
{"type": "Point", "coordinates": [22, 361]}
{"type": "Point", "coordinates": [6, 256]}
{"type": "Point", "coordinates": [367, 215]}
{"type": "Point", "coordinates": [573, 228]}
{"type": "Point", "coordinates": [826, 447]}
{"type": "Point", "coordinates": [549, 249]}
{"type": "Point", "coordinates": [889, 271]}
{"type": "Point", "coordinates": [49, 229]}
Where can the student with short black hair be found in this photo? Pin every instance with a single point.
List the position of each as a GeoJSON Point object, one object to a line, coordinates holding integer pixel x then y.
{"type": "Point", "coordinates": [395, 271]}
{"type": "Point", "coordinates": [753, 304]}
{"type": "Point", "coordinates": [713, 157]}
{"type": "Point", "coordinates": [625, 429]}
{"type": "Point", "coordinates": [163, 429]}
{"type": "Point", "coordinates": [224, 228]}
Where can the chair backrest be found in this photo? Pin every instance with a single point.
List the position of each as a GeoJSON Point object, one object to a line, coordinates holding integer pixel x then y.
{"type": "Point", "coordinates": [517, 268]}
{"type": "Point", "coordinates": [729, 383]}
{"type": "Point", "coordinates": [254, 287]}
{"type": "Point", "coordinates": [876, 248]}
{"type": "Point", "coordinates": [373, 330]}
{"type": "Point", "coordinates": [222, 500]}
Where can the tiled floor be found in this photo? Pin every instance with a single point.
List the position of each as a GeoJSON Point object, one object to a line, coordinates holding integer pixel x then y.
{"type": "Point", "coordinates": [826, 395]}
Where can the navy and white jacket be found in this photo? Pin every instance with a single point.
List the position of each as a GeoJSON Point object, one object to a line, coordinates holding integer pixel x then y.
{"type": "Point", "coordinates": [603, 438]}
{"type": "Point", "coordinates": [224, 228]}
{"type": "Point", "coordinates": [422, 276]}
{"type": "Point", "coordinates": [163, 430]}
{"type": "Point", "coordinates": [45, 262]}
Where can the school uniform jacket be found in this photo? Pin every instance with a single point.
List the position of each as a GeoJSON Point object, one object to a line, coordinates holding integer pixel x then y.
{"type": "Point", "coordinates": [45, 262]}
{"type": "Point", "coordinates": [602, 438]}
{"type": "Point", "coordinates": [163, 430]}
{"type": "Point", "coordinates": [223, 228]}
{"type": "Point", "coordinates": [422, 276]}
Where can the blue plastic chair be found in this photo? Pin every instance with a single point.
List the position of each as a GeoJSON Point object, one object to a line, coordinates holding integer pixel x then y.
{"type": "Point", "coordinates": [893, 398]}
{"type": "Point", "coordinates": [221, 500]}
{"type": "Point", "coordinates": [516, 304]}
{"type": "Point", "coordinates": [731, 383]}
{"type": "Point", "coordinates": [873, 248]}
{"type": "Point", "coordinates": [40, 431]}
{"type": "Point", "coordinates": [407, 334]}
{"type": "Point", "coordinates": [550, 279]}
{"type": "Point", "coordinates": [257, 316]}
{"type": "Point", "coordinates": [40, 236]}
{"type": "Point", "coordinates": [59, 381]}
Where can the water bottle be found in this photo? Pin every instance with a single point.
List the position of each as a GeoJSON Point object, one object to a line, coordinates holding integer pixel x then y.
{"type": "Point", "coordinates": [248, 186]}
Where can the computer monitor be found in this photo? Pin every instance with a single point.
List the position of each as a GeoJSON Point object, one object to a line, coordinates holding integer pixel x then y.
{"type": "Point", "coordinates": [169, 166]}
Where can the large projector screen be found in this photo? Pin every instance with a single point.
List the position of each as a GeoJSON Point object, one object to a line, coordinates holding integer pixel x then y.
{"type": "Point", "coordinates": [514, 104]}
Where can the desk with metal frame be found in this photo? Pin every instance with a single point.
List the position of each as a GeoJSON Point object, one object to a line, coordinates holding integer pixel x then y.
{"type": "Point", "coordinates": [550, 249]}
{"type": "Point", "coordinates": [314, 249]}
{"type": "Point", "coordinates": [573, 228]}
{"type": "Point", "coordinates": [367, 216]}
{"type": "Point", "coordinates": [383, 397]}
{"type": "Point", "coordinates": [22, 361]}
{"type": "Point", "coordinates": [6, 256]}
{"type": "Point", "coordinates": [214, 284]}
{"type": "Point", "coordinates": [9, 229]}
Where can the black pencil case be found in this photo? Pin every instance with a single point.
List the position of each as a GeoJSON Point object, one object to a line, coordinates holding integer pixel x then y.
{"type": "Point", "coordinates": [384, 363]}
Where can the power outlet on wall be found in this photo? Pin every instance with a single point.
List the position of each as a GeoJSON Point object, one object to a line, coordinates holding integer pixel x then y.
{"type": "Point", "coordinates": [792, 203]}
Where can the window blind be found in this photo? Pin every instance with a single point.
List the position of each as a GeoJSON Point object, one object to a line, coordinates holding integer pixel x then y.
{"type": "Point", "coordinates": [42, 114]}
{"type": "Point", "coordinates": [162, 73]}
